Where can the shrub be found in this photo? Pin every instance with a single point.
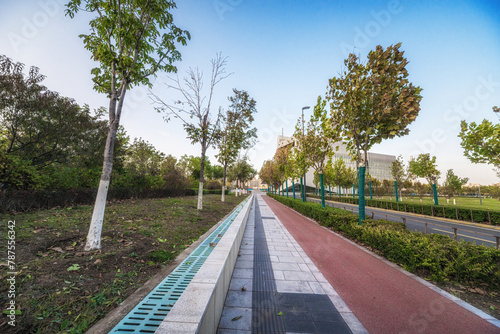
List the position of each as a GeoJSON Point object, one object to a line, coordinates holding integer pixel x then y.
{"type": "Point", "coordinates": [24, 200]}
{"type": "Point", "coordinates": [212, 185]}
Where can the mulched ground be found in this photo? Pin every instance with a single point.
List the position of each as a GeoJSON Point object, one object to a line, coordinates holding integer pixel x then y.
{"type": "Point", "coordinates": [62, 289]}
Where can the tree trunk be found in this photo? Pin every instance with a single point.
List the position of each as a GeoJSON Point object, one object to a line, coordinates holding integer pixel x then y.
{"type": "Point", "coordinates": [223, 198]}
{"type": "Point", "coordinates": [95, 229]}
{"type": "Point", "coordinates": [202, 175]}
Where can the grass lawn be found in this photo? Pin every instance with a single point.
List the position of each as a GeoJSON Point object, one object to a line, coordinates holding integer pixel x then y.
{"type": "Point", "coordinates": [62, 289]}
{"type": "Point", "coordinates": [468, 202]}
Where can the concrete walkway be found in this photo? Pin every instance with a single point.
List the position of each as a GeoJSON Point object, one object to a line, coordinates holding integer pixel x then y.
{"type": "Point", "coordinates": [385, 298]}
{"type": "Point", "coordinates": [276, 287]}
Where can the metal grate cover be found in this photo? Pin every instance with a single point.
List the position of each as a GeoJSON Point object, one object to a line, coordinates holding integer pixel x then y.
{"type": "Point", "coordinates": [147, 316]}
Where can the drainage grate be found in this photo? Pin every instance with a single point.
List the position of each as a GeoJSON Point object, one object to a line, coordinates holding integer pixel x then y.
{"type": "Point", "coordinates": [147, 316]}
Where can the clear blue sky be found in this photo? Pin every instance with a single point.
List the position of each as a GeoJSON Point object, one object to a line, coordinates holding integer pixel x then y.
{"type": "Point", "coordinates": [283, 53]}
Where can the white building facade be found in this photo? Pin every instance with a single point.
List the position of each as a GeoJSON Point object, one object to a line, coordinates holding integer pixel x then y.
{"type": "Point", "coordinates": [379, 165]}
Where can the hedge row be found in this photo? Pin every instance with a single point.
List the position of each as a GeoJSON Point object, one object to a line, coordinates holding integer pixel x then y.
{"type": "Point", "coordinates": [438, 256]}
{"type": "Point", "coordinates": [22, 200]}
{"type": "Point", "coordinates": [451, 212]}
{"type": "Point", "coordinates": [211, 191]}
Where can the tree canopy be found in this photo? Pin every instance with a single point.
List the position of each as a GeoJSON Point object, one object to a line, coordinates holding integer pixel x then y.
{"type": "Point", "coordinates": [373, 101]}
{"type": "Point", "coordinates": [236, 134]}
{"type": "Point", "coordinates": [318, 137]}
{"type": "Point", "coordinates": [425, 167]}
{"type": "Point", "coordinates": [201, 123]}
{"type": "Point", "coordinates": [481, 142]}
{"type": "Point", "coordinates": [40, 129]}
{"type": "Point", "coordinates": [454, 183]}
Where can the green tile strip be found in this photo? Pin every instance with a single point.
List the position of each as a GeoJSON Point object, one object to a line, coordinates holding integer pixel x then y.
{"type": "Point", "coordinates": [147, 316]}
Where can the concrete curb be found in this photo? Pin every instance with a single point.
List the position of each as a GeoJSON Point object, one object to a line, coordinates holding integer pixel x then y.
{"type": "Point", "coordinates": [199, 308]}
{"type": "Point", "coordinates": [106, 324]}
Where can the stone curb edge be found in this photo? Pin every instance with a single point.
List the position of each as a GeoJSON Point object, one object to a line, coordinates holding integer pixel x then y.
{"type": "Point", "coordinates": [199, 308]}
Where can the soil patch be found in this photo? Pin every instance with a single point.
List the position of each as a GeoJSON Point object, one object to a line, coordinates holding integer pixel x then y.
{"type": "Point", "coordinates": [62, 289]}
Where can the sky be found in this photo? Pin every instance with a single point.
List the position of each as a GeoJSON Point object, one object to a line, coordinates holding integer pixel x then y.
{"type": "Point", "coordinates": [283, 53]}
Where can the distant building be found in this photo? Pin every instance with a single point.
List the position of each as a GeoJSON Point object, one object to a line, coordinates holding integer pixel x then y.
{"type": "Point", "coordinates": [256, 183]}
{"type": "Point", "coordinates": [379, 165]}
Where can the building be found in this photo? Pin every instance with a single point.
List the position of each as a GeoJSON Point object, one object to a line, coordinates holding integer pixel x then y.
{"type": "Point", "coordinates": [379, 165]}
{"type": "Point", "coordinates": [256, 183]}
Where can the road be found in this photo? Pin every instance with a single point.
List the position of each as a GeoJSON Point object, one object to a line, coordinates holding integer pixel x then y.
{"type": "Point", "coordinates": [480, 234]}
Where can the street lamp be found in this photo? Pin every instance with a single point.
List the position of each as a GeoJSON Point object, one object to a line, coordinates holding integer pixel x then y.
{"type": "Point", "coordinates": [496, 110]}
{"type": "Point", "coordinates": [305, 185]}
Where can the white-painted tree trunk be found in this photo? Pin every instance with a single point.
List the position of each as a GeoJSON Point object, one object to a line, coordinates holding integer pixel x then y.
{"type": "Point", "coordinates": [94, 235]}
{"type": "Point", "coordinates": [454, 203]}
{"type": "Point", "coordinates": [200, 196]}
{"type": "Point", "coordinates": [223, 198]}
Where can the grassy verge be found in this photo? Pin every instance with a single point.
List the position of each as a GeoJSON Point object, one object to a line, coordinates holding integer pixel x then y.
{"type": "Point", "coordinates": [485, 216]}
{"type": "Point", "coordinates": [461, 265]}
{"type": "Point", "coordinates": [62, 289]}
{"type": "Point", "coordinates": [467, 202]}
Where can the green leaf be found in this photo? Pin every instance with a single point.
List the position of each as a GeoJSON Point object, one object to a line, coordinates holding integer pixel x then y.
{"type": "Point", "coordinates": [16, 312]}
{"type": "Point", "coordinates": [74, 267]}
{"type": "Point", "coordinates": [280, 313]}
{"type": "Point", "coordinates": [237, 318]}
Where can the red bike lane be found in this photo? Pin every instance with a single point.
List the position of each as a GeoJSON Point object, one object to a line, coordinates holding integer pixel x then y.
{"type": "Point", "coordinates": [384, 299]}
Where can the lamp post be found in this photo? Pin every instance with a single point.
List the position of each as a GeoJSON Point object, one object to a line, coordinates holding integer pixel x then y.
{"type": "Point", "coordinates": [305, 184]}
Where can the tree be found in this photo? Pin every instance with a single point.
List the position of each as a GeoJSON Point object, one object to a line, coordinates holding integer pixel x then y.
{"type": "Point", "coordinates": [266, 172]}
{"type": "Point", "coordinates": [216, 172]}
{"type": "Point", "coordinates": [41, 131]}
{"type": "Point", "coordinates": [425, 166]}
{"type": "Point", "coordinates": [400, 173]}
{"type": "Point", "coordinates": [372, 102]}
{"type": "Point", "coordinates": [318, 138]}
{"type": "Point", "coordinates": [132, 40]}
{"type": "Point", "coordinates": [191, 167]}
{"type": "Point", "coordinates": [195, 110]}
{"type": "Point", "coordinates": [241, 171]}
{"type": "Point", "coordinates": [282, 159]}
{"type": "Point", "coordinates": [351, 177]}
{"type": "Point", "coordinates": [172, 174]}
{"type": "Point", "coordinates": [454, 183]}
{"type": "Point", "coordinates": [281, 164]}
{"type": "Point", "coordinates": [296, 163]}
{"type": "Point", "coordinates": [235, 131]}
{"type": "Point", "coordinates": [341, 175]}
{"type": "Point", "coordinates": [143, 158]}
{"type": "Point", "coordinates": [481, 142]}
{"type": "Point", "coordinates": [376, 183]}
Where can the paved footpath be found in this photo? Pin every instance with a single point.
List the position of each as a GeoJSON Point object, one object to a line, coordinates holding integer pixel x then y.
{"type": "Point", "coordinates": [383, 297]}
{"type": "Point", "coordinates": [276, 287]}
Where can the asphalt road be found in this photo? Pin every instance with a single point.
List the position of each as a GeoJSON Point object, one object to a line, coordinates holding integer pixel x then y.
{"type": "Point", "coordinates": [475, 233]}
